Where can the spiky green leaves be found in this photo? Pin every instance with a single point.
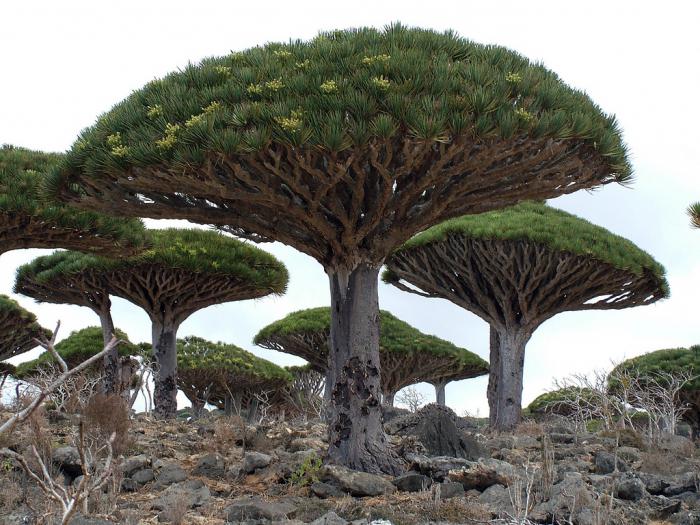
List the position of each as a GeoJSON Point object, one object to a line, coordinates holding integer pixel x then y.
{"type": "Point", "coordinates": [433, 86]}
{"type": "Point", "coordinates": [18, 329]}
{"type": "Point", "coordinates": [30, 219]}
{"type": "Point", "coordinates": [537, 223]}
{"type": "Point", "coordinates": [694, 213]}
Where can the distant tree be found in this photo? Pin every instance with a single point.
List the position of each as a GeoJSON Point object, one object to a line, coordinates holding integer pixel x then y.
{"type": "Point", "coordinates": [518, 267]}
{"type": "Point", "coordinates": [407, 355]}
{"type": "Point", "coordinates": [183, 272]}
{"type": "Point", "coordinates": [79, 346]}
{"type": "Point", "coordinates": [694, 212]}
{"type": "Point", "coordinates": [411, 398]}
{"type": "Point", "coordinates": [18, 329]}
{"type": "Point", "coordinates": [225, 375]}
{"type": "Point", "coordinates": [660, 367]}
{"type": "Point", "coordinates": [29, 219]}
{"type": "Point", "coordinates": [65, 277]}
{"type": "Point", "coordinates": [343, 147]}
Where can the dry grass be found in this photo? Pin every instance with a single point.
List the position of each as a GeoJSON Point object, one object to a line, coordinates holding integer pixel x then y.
{"type": "Point", "coordinates": [529, 427]}
{"type": "Point", "coordinates": [104, 414]}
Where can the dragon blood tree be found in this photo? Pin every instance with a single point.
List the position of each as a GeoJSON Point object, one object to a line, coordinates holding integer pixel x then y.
{"type": "Point", "coordinates": [662, 366]}
{"type": "Point", "coordinates": [67, 277]}
{"type": "Point", "coordinates": [28, 219]}
{"type": "Point", "coordinates": [183, 272]}
{"type": "Point", "coordinates": [225, 375]}
{"type": "Point", "coordinates": [516, 268]}
{"type": "Point", "coordinates": [406, 355]}
{"type": "Point", "coordinates": [18, 329]}
{"type": "Point", "coordinates": [694, 213]}
{"type": "Point", "coordinates": [344, 147]}
{"type": "Point", "coordinates": [79, 346]}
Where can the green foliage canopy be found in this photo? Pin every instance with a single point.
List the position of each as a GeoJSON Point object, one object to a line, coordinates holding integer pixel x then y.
{"type": "Point", "coordinates": [79, 346]}
{"type": "Point", "coordinates": [32, 220]}
{"type": "Point", "coordinates": [670, 360]}
{"type": "Point", "coordinates": [542, 224]}
{"type": "Point", "coordinates": [18, 329]}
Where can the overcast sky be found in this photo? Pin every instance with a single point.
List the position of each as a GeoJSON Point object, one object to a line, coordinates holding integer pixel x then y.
{"type": "Point", "coordinates": [66, 62]}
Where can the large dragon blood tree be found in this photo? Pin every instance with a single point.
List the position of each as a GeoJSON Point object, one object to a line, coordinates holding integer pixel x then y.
{"type": "Point", "coordinates": [183, 272]}
{"type": "Point", "coordinates": [67, 277]}
{"type": "Point", "coordinates": [343, 147]}
{"type": "Point", "coordinates": [29, 219]}
{"type": "Point", "coordinates": [515, 268]}
{"type": "Point", "coordinates": [660, 364]}
{"type": "Point", "coordinates": [18, 329]}
{"type": "Point", "coordinates": [225, 375]}
{"type": "Point", "coordinates": [406, 355]}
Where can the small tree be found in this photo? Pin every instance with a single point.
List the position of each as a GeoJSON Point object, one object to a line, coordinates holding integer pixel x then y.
{"type": "Point", "coordinates": [515, 269]}
{"type": "Point", "coordinates": [407, 355]}
{"type": "Point", "coordinates": [63, 278]}
{"type": "Point", "coordinates": [29, 219]}
{"type": "Point", "coordinates": [668, 380]}
{"type": "Point", "coordinates": [225, 375]}
{"type": "Point", "coordinates": [183, 272]}
{"type": "Point", "coordinates": [343, 147]}
{"type": "Point", "coordinates": [694, 212]}
{"type": "Point", "coordinates": [18, 329]}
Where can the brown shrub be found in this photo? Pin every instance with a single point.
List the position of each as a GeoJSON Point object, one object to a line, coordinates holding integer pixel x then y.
{"type": "Point", "coordinates": [529, 427]}
{"type": "Point", "coordinates": [104, 414]}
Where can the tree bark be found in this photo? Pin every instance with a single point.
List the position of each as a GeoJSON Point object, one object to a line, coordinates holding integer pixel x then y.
{"type": "Point", "coordinates": [357, 438]}
{"type": "Point", "coordinates": [110, 362]}
{"type": "Point", "coordinates": [492, 388]}
{"type": "Point", "coordinates": [165, 377]}
{"type": "Point", "coordinates": [505, 402]}
{"type": "Point", "coordinates": [389, 398]}
{"type": "Point", "coordinates": [440, 392]}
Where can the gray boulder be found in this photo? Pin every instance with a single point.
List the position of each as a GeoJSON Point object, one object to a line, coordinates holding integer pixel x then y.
{"type": "Point", "coordinates": [330, 518]}
{"type": "Point", "coordinates": [168, 474]}
{"type": "Point", "coordinates": [253, 508]}
{"type": "Point", "coordinates": [67, 460]}
{"type": "Point", "coordinates": [326, 490]}
{"type": "Point", "coordinates": [356, 483]}
{"type": "Point", "coordinates": [412, 482]}
{"type": "Point", "coordinates": [448, 490]}
{"type": "Point", "coordinates": [194, 492]}
{"type": "Point", "coordinates": [483, 474]}
{"type": "Point", "coordinates": [210, 466]}
{"type": "Point", "coordinates": [253, 461]}
{"type": "Point", "coordinates": [630, 489]}
{"type": "Point", "coordinates": [436, 467]}
{"type": "Point", "coordinates": [134, 463]}
{"type": "Point", "coordinates": [605, 462]}
{"type": "Point", "coordinates": [143, 476]}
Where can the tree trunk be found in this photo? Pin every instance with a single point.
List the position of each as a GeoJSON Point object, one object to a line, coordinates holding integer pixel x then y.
{"type": "Point", "coordinates": [110, 362]}
{"type": "Point", "coordinates": [228, 405]}
{"type": "Point", "coordinates": [165, 377]}
{"type": "Point", "coordinates": [389, 398]}
{"type": "Point", "coordinates": [357, 438]}
{"type": "Point", "coordinates": [197, 408]}
{"type": "Point", "coordinates": [440, 392]}
{"type": "Point", "coordinates": [492, 388]}
{"type": "Point", "coordinates": [506, 398]}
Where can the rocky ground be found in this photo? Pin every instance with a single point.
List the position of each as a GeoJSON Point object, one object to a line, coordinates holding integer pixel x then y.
{"type": "Point", "coordinates": [220, 470]}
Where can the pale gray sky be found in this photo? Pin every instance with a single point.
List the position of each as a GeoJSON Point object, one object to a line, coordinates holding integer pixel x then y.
{"type": "Point", "coordinates": [66, 62]}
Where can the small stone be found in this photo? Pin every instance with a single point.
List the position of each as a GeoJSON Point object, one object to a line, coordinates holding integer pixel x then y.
{"type": "Point", "coordinates": [483, 474]}
{"type": "Point", "coordinates": [254, 461]}
{"type": "Point", "coordinates": [129, 485]}
{"type": "Point", "coordinates": [326, 490]}
{"type": "Point", "coordinates": [357, 483]}
{"type": "Point", "coordinates": [143, 476]}
{"type": "Point", "coordinates": [449, 490]}
{"type": "Point", "coordinates": [211, 466]}
{"type": "Point", "coordinates": [630, 489]}
{"type": "Point", "coordinates": [134, 463]}
{"type": "Point", "coordinates": [412, 482]}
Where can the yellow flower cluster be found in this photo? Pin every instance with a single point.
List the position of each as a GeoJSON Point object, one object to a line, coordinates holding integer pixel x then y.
{"type": "Point", "coordinates": [274, 85]}
{"type": "Point", "coordinates": [211, 108]}
{"type": "Point", "coordinates": [381, 82]}
{"type": "Point", "coordinates": [223, 70]}
{"type": "Point", "coordinates": [514, 78]}
{"type": "Point", "coordinates": [524, 115]}
{"type": "Point", "coordinates": [282, 53]}
{"type": "Point", "coordinates": [329, 86]}
{"type": "Point", "coordinates": [154, 111]}
{"type": "Point", "coordinates": [292, 123]}
{"type": "Point", "coordinates": [255, 89]}
{"type": "Point", "coordinates": [194, 120]}
{"type": "Point", "coordinates": [303, 65]}
{"type": "Point", "coordinates": [368, 61]}
{"type": "Point", "coordinates": [170, 138]}
{"type": "Point", "coordinates": [118, 149]}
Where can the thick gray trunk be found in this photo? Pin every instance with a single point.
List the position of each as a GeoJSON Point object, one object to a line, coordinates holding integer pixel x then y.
{"type": "Point", "coordinates": [110, 362]}
{"type": "Point", "coordinates": [165, 377]}
{"type": "Point", "coordinates": [440, 393]}
{"type": "Point", "coordinates": [357, 438]}
{"type": "Point", "coordinates": [492, 388]}
{"type": "Point", "coordinates": [506, 400]}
